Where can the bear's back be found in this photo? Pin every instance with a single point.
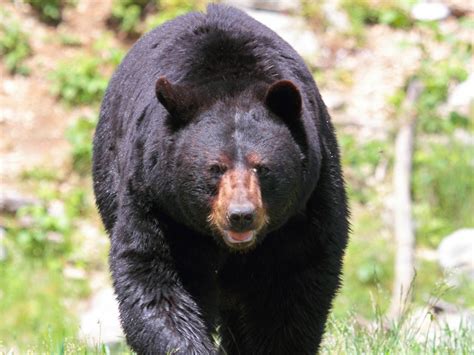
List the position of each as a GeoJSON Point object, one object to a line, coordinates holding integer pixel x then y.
{"type": "Point", "coordinates": [220, 50]}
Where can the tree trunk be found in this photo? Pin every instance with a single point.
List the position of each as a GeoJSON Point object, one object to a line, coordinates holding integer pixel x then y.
{"type": "Point", "coordinates": [404, 234]}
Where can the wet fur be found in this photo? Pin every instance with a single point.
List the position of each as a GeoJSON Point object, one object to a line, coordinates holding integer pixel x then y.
{"type": "Point", "coordinates": [174, 279]}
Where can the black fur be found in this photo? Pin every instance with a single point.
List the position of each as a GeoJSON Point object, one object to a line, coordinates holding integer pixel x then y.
{"type": "Point", "coordinates": [189, 91]}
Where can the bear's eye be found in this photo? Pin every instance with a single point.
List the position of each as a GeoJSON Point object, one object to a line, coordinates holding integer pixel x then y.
{"type": "Point", "coordinates": [261, 170]}
{"type": "Point", "coordinates": [217, 169]}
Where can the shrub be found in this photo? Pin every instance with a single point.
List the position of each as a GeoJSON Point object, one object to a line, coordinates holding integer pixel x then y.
{"type": "Point", "coordinates": [79, 81]}
{"type": "Point", "coordinates": [392, 13]}
{"type": "Point", "coordinates": [127, 15]}
{"type": "Point", "coordinates": [46, 227]}
{"type": "Point", "coordinates": [79, 135]}
{"type": "Point", "coordinates": [14, 46]}
{"type": "Point", "coordinates": [443, 189]}
{"type": "Point", "coordinates": [49, 11]}
{"type": "Point", "coordinates": [169, 9]}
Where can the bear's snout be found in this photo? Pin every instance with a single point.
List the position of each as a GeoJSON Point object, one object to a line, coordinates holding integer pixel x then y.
{"type": "Point", "coordinates": [241, 217]}
{"type": "Point", "coordinates": [237, 212]}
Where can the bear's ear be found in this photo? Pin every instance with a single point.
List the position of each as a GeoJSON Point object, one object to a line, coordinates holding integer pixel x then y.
{"type": "Point", "coordinates": [166, 94]}
{"type": "Point", "coordinates": [284, 99]}
{"type": "Point", "coordinates": [177, 100]}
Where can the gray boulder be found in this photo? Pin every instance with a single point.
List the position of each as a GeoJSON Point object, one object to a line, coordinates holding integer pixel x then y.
{"type": "Point", "coordinates": [461, 98]}
{"type": "Point", "coordinates": [456, 252]}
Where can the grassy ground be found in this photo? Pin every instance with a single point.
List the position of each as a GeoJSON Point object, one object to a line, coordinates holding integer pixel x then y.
{"type": "Point", "coordinates": [343, 336]}
{"type": "Point", "coordinates": [347, 337]}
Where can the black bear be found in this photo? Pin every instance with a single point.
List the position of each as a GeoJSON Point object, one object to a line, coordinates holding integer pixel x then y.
{"type": "Point", "coordinates": [216, 172]}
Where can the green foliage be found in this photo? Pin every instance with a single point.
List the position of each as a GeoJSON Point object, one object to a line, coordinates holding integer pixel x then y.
{"type": "Point", "coordinates": [82, 80]}
{"type": "Point", "coordinates": [14, 45]}
{"type": "Point", "coordinates": [110, 55]}
{"type": "Point", "coordinates": [133, 17]}
{"type": "Point", "coordinates": [79, 81]}
{"type": "Point", "coordinates": [39, 174]}
{"type": "Point", "coordinates": [49, 11]}
{"type": "Point", "coordinates": [443, 189]}
{"type": "Point", "coordinates": [69, 40]}
{"type": "Point", "coordinates": [79, 135]}
{"type": "Point", "coordinates": [169, 9]}
{"type": "Point", "coordinates": [442, 184]}
{"type": "Point", "coordinates": [47, 228]}
{"type": "Point", "coordinates": [360, 161]}
{"type": "Point", "coordinates": [437, 77]}
{"type": "Point", "coordinates": [128, 14]}
{"type": "Point", "coordinates": [393, 13]}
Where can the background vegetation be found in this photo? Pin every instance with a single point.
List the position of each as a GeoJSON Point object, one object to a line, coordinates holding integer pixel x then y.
{"type": "Point", "coordinates": [53, 250]}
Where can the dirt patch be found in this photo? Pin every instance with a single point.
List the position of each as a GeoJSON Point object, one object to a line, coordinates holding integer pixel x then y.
{"type": "Point", "coordinates": [32, 122]}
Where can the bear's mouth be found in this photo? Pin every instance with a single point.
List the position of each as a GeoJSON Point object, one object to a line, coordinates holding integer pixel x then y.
{"type": "Point", "coordinates": [239, 237]}
{"type": "Point", "coordinates": [239, 240]}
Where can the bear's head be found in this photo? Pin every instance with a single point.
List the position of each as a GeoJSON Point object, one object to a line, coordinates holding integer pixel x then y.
{"type": "Point", "coordinates": [241, 163]}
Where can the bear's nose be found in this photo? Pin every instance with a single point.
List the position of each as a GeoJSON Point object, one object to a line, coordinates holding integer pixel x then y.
{"type": "Point", "coordinates": [241, 217]}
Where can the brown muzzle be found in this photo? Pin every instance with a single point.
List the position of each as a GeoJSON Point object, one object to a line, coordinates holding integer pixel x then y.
{"type": "Point", "coordinates": [237, 212]}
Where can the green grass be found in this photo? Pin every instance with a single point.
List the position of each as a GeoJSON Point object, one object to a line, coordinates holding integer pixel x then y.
{"type": "Point", "coordinates": [347, 336]}
{"type": "Point", "coordinates": [431, 281]}
{"type": "Point", "coordinates": [37, 300]}
{"type": "Point", "coordinates": [368, 267]}
{"type": "Point", "coordinates": [34, 302]}
{"type": "Point", "coordinates": [66, 345]}
{"type": "Point", "coordinates": [343, 336]}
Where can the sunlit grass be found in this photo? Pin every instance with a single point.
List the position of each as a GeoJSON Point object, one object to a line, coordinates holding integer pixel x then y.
{"type": "Point", "coordinates": [347, 336]}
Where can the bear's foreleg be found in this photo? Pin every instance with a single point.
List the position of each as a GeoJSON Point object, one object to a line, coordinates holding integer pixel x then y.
{"type": "Point", "coordinates": [158, 315]}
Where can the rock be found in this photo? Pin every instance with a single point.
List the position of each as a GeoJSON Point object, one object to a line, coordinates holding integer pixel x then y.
{"type": "Point", "coordinates": [464, 137]}
{"type": "Point", "coordinates": [94, 241]}
{"type": "Point", "coordinates": [461, 99]}
{"type": "Point", "coordinates": [460, 8]}
{"type": "Point", "coordinates": [333, 100]}
{"type": "Point", "coordinates": [56, 209]}
{"type": "Point", "coordinates": [12, 202]}
{"type": "Point", "coordinates": [74, 273]}
{"type": "Point", "coordinates": [100, 322]}
{"type": "Point", "coordinates": [430, 11]}
{"type": "Point", "coordinates": [55, 237]}
{"type": "Point", "coordinates": [456, 252]}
